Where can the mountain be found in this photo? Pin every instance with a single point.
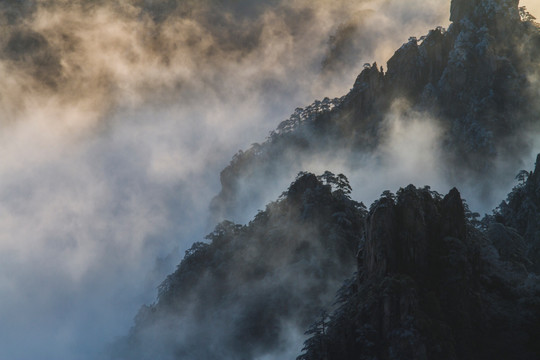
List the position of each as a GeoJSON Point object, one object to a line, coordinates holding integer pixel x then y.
{"type": "Point", "coordinates": [520, 212]}
{"type": "Point", "coordinates": [432, 286]}
{"type": "Point", "coordinates": [420, 278]}
{"type": "Point", "coordinates": [417, 276]}
{"type": "Point", "coordinates": [477, 80]}
{"type": "Point", "coordinates": [245, 292]}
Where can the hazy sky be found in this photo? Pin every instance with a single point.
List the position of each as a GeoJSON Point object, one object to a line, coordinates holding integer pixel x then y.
{"type": "Point", "coordinates": [116, 118]}
{"type": "Point", "coordinates": [533, 6]}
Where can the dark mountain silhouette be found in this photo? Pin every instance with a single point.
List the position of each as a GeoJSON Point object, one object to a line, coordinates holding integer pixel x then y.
{"type": "Point", "coordinates": [432, 286]}
{"type": "Point", "coordinates": [521, 213]}
{"type": "Point", "coordinates": [431, 281]}
{"type": "Point", "coordinates": [242, 294]}
{"type": "Point", "coordinates": [477, 79]}
{"type": "Point", "coordinates": [421, 277]}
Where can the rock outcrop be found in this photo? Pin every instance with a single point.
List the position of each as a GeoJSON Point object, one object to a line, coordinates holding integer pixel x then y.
{"type": "Point", "coordinates": [430, 283]}
{"type": "Point", "coordinates": [473, 77]}
{"type": "Point", "coordinates": [431, 286]}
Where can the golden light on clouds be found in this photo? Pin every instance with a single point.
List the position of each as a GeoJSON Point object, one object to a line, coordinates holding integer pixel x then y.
{"type": "Point", "coordinates": [533, 6]}
{"type": "Point", "coordinates": [116, 119]}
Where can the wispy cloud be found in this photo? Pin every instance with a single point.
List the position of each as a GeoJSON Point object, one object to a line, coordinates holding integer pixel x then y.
{"type": "Point", "coordinates": [116, 118]}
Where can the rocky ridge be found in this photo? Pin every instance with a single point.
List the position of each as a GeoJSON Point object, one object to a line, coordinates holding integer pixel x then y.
{"type": "Point", "coordinates": [432, 286]}
{"type": "Point", "coordinates": [239, 294]}
{"type": "Point", "coordinates": [474, 78]}
{"type": "Point", "coordinates": [431, 281]}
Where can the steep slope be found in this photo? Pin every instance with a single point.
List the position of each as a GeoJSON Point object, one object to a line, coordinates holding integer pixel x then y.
{"type": "Point", "coordinates": [521, 212]}
{"type": "Point", "coordinates": [251, 288]}
{"type": "Point", "coordinates": [431, 286]}
{"type": "Point", "coordinates": [477, 79]}
{"type": "Point", "coordinates": [431, 282]}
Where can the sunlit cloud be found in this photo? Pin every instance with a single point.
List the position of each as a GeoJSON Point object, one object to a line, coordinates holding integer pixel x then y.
{"type": "Point", "coordinates": [116, 119]}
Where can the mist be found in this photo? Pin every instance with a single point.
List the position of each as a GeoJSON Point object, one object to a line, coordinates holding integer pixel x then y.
{"type": "Point", "coordinates": [116, 119]}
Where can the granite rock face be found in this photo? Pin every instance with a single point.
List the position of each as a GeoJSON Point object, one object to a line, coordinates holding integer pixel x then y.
{"type": "Point", "coordinates": [429, 254]}
{"type": "Point", "coordinates": [399, 235]}
{"type": "Point", "coordinates": [431, 286]}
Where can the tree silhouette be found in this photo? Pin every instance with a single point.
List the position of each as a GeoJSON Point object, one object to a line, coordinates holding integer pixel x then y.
{"type": "Point", "coordinates": [316, 347]}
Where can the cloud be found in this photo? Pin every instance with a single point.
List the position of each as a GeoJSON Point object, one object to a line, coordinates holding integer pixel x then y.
{"type": "Point", "coordinates": [116, 119]}
{"type": "Point", "coordinates": [533, 6]}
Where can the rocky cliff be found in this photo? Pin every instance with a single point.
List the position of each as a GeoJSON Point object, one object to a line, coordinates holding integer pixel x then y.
{"type": "Point", "coordinates": [432, 286]}
{"type": "Point", "coordinates": [476, 79]}
{"type": "Point", "coordinates": [431, 281]}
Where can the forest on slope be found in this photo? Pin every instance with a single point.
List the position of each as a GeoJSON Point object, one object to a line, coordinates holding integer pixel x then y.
{"type": "Point", "coordinates": [433, 282]}
{"type": "Point", "coordinates": [475, 83]}
{"type": "Point", "coordinates": [417, 275]}
{"type": "Point", "coordinates": [246, 291]}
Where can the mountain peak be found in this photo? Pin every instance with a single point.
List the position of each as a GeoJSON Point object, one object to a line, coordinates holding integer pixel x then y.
{"type": "Point", "coordinates": [484, 9]}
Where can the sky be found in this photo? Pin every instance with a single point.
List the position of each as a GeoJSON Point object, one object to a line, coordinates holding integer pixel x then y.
{"type": "Point", "coordinates": [115, 121]}
{"type": "Point", "coordinates": [533, 6]}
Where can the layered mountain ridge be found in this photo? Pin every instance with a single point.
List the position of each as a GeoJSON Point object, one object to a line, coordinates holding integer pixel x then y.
{"type": "Point", "coordinates": [429, 281]}
{"type": "Point", "coordinates": [477, 79]}
{"type": "Point", "coordinates": [246, 291]}
{"type": "Point", "coordinates": [431, 285]}
{"type": "Point", "coordinates": [417, 275]}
